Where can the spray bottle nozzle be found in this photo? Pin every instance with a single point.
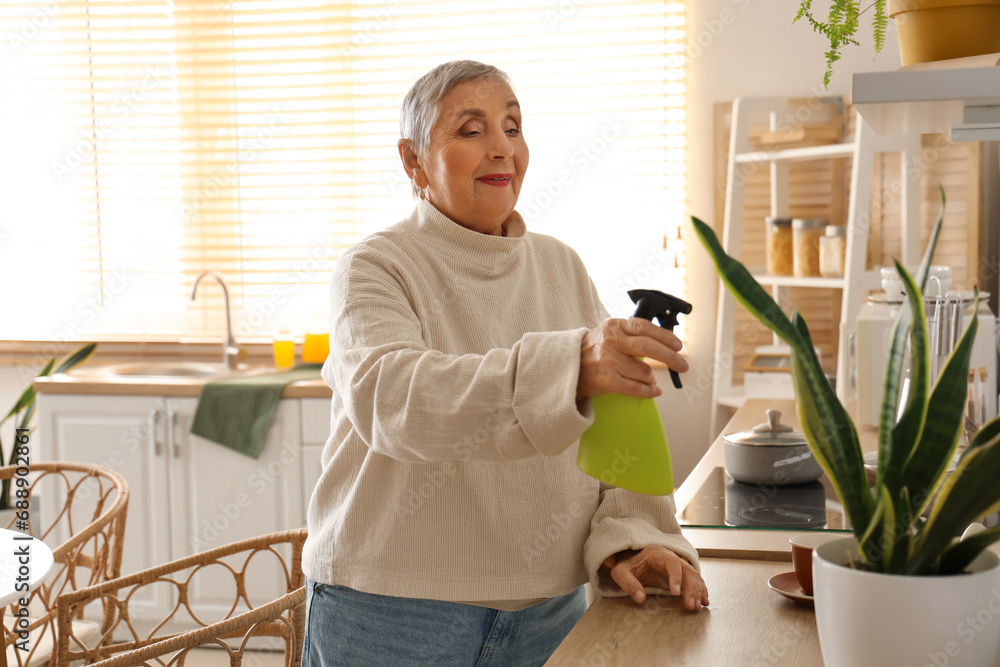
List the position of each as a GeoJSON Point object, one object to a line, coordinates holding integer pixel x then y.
{"type": "Point", "coordinates": [665, 308]}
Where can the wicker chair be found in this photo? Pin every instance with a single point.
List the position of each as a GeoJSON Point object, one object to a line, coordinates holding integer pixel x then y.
{"type": "Point", "coordinates": [230, 565]}
{"type": "Point", "coordinates": [283, 617]}
{"type": "Point", "coordinates": [81, 508]}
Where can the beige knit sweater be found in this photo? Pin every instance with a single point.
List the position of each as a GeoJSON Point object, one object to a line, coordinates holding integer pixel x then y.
{"type": "Point", "coordinates": [450, 472]}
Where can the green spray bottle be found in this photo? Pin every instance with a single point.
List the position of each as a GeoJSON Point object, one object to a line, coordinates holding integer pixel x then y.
{"type": "Point", "coordinates": [626, 445]}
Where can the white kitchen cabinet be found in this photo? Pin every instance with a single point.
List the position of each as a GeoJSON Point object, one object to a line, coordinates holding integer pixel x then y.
{"type": "Point", "coordinates": [311, 468]}
{"type": "Point", "coordinates": [315, 431]}
{"type": "Point", "coordinates": [315, 421]}
{"type": "Point", "coordinates": [126, 434]}
{"type": "Point", "coordinates": [187, 494]}
{"type": "Point", "coordinates": [221, 496]}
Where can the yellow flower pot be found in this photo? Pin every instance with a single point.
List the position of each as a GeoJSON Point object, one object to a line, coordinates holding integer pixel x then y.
{"type": "Point", "coordinates": [931, 30]}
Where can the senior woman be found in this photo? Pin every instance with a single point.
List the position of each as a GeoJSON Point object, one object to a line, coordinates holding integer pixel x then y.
{"type": "Point", "coordinates": [451, 525]}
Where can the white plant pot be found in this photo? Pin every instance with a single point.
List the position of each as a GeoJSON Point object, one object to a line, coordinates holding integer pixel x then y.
{"type": "Point", "coordinates": [866, 618]}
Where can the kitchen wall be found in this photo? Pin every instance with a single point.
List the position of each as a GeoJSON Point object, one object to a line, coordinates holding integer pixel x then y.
{"type": "Point", "coordinates": [739, 48]}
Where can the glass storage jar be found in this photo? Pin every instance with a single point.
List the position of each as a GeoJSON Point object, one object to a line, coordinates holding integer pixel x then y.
{"type": "Point", "coordinates": [806, 233]}
{"type": "Point", "coordinates": [779, 246]}
{"type": "Point", "coordinates": [832, 252]}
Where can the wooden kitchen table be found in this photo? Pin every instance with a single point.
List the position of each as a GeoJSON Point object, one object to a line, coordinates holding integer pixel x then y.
{"type": "Point", "coordinates": [746, 624]}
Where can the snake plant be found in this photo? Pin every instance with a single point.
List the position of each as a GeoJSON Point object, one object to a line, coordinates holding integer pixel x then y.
{"type": "Point", "coordinates": [907, 523]}
{"type": "Point", "coordinates": [24, 408]}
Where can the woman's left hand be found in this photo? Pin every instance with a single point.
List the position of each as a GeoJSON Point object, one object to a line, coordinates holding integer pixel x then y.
{"type": "Point", "coordinates": [661, 567]}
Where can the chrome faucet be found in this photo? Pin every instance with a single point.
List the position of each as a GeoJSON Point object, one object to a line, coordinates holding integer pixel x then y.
{"type": "Point", "coordinates": [230, 351]}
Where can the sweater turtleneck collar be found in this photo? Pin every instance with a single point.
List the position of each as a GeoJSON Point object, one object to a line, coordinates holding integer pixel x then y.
{"type": "Point", "coordinates": [483, 250]}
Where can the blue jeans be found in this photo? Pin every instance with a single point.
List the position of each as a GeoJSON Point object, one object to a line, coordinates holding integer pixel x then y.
{"type": "Point", "coordinates": [348, 628]}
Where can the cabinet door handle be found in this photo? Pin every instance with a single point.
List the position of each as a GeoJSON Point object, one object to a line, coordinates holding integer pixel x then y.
{"type": "Point", "coordinates": [172, 414]}
{"type": "Point", "coordinates": [156, 432]}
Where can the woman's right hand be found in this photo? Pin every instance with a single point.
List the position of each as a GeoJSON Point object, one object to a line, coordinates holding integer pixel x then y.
{"type": "Point", "coordinates": [608, 363]}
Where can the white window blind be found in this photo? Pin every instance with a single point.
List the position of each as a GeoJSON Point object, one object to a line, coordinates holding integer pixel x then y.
{"type": "Point", "coordinates": [143, 142]}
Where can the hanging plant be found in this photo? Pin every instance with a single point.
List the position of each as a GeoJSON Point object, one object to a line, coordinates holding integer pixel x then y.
{"type": "Point", "coordinates": [841, 26]}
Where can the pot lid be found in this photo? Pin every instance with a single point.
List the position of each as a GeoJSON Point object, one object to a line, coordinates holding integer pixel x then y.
{"type": "Point", "coordinates": [803, 224]}
{"type": "Point", "coordinates": [773, 432]}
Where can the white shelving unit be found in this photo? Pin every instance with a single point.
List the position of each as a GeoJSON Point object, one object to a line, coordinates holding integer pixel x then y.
{"type": "Point", "coordinates": [856, 279]}
{"type": "Point", "coordinates": [964, 101]}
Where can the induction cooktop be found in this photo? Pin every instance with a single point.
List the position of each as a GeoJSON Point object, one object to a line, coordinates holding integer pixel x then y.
{"type": "Point", "coordinates": [724, 502]}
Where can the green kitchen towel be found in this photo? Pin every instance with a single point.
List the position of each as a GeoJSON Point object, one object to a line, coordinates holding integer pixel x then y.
{"type": "Point", "coordinates": [237, 412]}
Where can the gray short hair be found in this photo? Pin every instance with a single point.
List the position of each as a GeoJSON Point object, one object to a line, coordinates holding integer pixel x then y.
{"type": "Point", "coordinates": [420, 106]}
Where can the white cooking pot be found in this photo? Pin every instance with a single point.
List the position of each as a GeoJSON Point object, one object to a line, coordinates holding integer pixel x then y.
{"type": "Point", "coordinates": [771, 453]}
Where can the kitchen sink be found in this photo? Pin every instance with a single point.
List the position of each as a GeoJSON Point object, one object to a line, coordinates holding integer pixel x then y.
{"type": "Point", "coordinates": [177, 369]}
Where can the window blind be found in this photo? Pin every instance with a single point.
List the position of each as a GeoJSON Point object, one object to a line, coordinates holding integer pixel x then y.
{"type": "Point", "coordinates": [144, 142]}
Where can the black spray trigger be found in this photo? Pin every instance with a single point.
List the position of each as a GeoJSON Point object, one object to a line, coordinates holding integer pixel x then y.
{"type": "Point", "coordinates": [650, 304]}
